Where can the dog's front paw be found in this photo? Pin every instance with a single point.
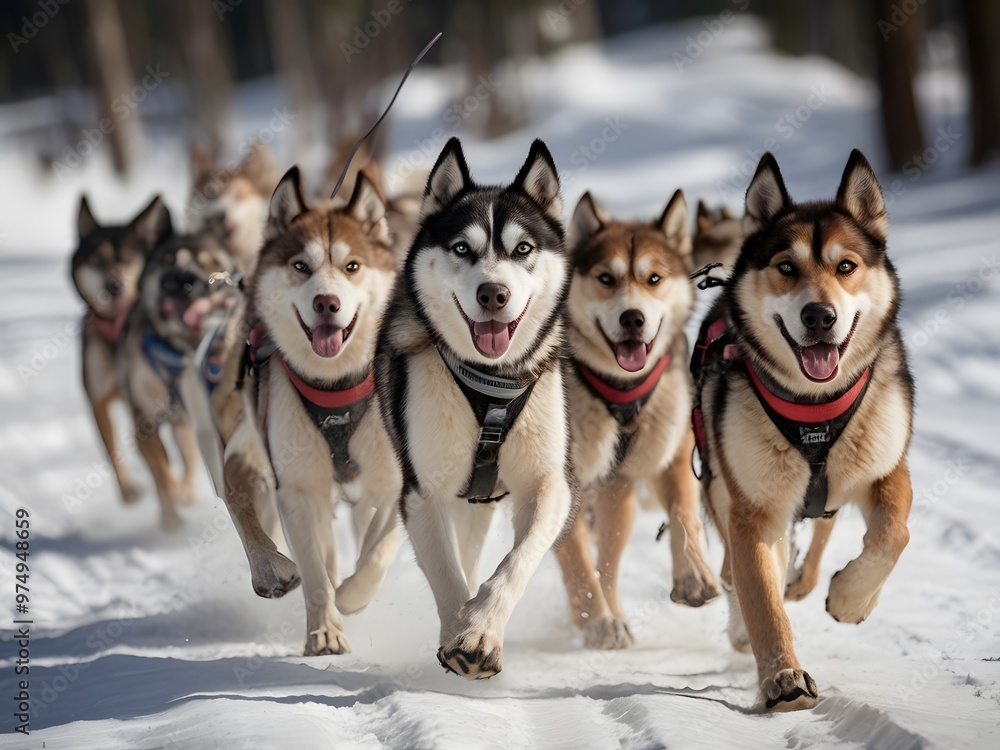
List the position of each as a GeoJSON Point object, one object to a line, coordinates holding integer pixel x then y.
{"type": "Point", "coordinates": [789, 690]}
{"type": "Point", "coordinates": [803, 585]}
{"type": "Point", "coordinates": [474, 656]}
{"type": "Point", "coordinates": [694, 590]}
{"type": "Point", "coordinates": [274, 575]}
{"type": "Point", "coordinates": [328, 639]}
{"type": "Point", "coordinates": [607, 633]}
{"type": "Point", "coordinates": [850, 599]}
{"type": "Point", "coordinates": [131, 494]}
{"type": "Point", "coordinates": [170, 521]}
{"type": "Point", "coordinates": [185, 496]}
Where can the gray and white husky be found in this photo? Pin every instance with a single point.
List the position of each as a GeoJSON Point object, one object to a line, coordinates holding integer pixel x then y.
{"type": "Point", "coordinates": [468, 372]}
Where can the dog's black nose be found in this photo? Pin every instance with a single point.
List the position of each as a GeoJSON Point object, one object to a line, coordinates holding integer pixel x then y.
{"type": "Point", "coordinates": [817, 314]}
{"type": "Point", "coordinates": [492, 296]}
{"type": "Point", "coordinates": [632, 320]}
{"type": "Point", "coordinates": [114, 287]}
{"type": "Point", "coordinates": [326, 303]}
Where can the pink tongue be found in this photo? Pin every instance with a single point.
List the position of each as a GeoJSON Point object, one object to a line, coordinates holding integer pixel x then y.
{"type": "Point", "coordinates": [631, 355]}
{"type": "Point", "coordinates": [196, 311]}
{"type": "Point", "coordinates": [820, 361]}
{"type": "Point", "coordinates": [492, 337]}
{"type": "Point", "coordinates": [327, 340]}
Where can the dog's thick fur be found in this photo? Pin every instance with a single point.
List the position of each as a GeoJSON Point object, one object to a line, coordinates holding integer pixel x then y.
{"type": "Point", "coordinates": [105, 269]}
{"type": "Point", "coordinates": [310, 254]}
{"type": "Point", "coordinates": [630, 288]}
{"type": "Point", "coordinates": [831, 252]}
{"type": "Point", "coordinates": [718, 237]}
{"type": "Point", "coordinates": [176, 275]}
{"type": "Point", "coordinates": [232, 202]}
{"type": "Point", "coordinates": [472, 236]}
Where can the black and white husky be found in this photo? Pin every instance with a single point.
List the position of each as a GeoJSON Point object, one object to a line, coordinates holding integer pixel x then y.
{"type": "Point", "coordinates": [468, 371]}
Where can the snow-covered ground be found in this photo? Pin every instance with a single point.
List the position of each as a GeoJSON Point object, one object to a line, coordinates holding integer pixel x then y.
{"type": "Point", "coordinates": [143, 639]}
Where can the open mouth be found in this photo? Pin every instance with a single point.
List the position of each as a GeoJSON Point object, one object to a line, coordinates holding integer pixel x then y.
{"type": "Point", "coordinates": [819, 362]}
{"type": "Point", "coordinates": [327, 339]}
{"type": "Point", "coordinates": [631, 354]}
{"type": "Point", "coordinates": [491, 337]}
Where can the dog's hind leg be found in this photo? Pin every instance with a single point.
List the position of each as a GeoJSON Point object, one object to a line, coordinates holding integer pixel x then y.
{"type": "Point", "coordinates": [102, 416]}
{"type": "Point", "coordinates": [678, 490]}
{"type": "Point", "coordinates": [151, 447]}
{"type": "Point", "coordinates": [476, 651]}
{"type": "Point", "coordinates": [380, 542]}
{"type": "Point", "coordinates": [854, 591]}
{"type": "Point", "coordinates": [808, 575]}
{"type": "Point", "coordinates": [472, 523]}
{"type": "Point", "coordinates": [188, 446]}
{"type": "Point", "coordinates": [308, 518]}
{"type": "Point", "coordinates": [591, 612]}
{"type": "Point", "coordinates": [432, 533]}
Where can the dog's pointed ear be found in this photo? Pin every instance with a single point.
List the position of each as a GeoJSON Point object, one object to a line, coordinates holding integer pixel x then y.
{"type": "Point", "coordinates": [703, 219]}
{"type": "Point", "coordinates": [539, 180]}
{"type": "Point", "coordinates": [860, 195]}
{"type": "Point", "coordinates": [588, 219]}
{"type": "Point", "coordinates": [286, 203]}
{"type": "Point", "coordinates": [675, 224]}
{"type": "Point", "coordinates": [368, 206]}
{"type": "Point", "coordinates": [85, 222]}
{"type": "Point", "coordinates": [153, 225]}
{"type": "Point", "coordinates": [202, 162]}
{"type": "Point", "coordinates": [260, 166]}
{"type": "Point", "coordinates": [449, 177]}
{"type": "Point", "coordinates": [766, 196]}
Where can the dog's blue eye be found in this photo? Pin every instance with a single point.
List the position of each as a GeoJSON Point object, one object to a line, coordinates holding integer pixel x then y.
{"type": "Point", "coordinates": [352, 267]}
{"type": "Point", "coordinates": [785, 268]}
{"type": "Point", "coordinates": [460, 248]}
{"type": "Point", "coordinates": [654, 279]}
{"type": "Point", "coordinates": [300, 266]}
{"type": "Point", "coordinates": [523, 248]}
{"type": "Point", "coordinates": [846, 267]}
{"type": "Point", "coordinates": [605, 278]}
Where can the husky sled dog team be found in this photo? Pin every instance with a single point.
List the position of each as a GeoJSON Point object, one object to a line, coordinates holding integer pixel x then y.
{"type": "Point", "coordinates": [425, 368]}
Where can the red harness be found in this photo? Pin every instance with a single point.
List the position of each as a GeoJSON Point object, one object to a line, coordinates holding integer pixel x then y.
{"type": "Point", "coordinates": [109, 330]}
{"type": "Point", "coordinates": [811, 428]}
{"type": "Point", "coordinates": [623, 396]}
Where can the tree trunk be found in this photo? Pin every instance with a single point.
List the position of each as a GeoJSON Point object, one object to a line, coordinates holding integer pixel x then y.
{"type": "Point", "coordinates": [209, 69]}
{"type": "Point", "coordinates": [982, 21]}
{"type": "Point", "coordinates": [896, 47]}
{"type": "Point", "coordinates": [114, 79]}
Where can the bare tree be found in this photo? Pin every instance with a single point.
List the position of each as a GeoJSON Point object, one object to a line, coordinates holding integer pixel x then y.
{"type": "Point", "coordinates": [896, 46]}
{"type": "Point", "coordinates": [982, 22]}
{"type": "Point", "coordinates": [206, 51]}
{"type": "Point", "coordinates": [114, 78]}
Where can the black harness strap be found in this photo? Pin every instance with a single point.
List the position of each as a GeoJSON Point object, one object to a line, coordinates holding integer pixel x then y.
{"type": "Point", "coordinates": [496, 403]}
{"type": "Point", "coordinates": [814, 439]}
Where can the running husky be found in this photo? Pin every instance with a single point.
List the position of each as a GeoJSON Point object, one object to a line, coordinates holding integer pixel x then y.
{"type": "Point", "coordinates": [630, 405]}
{"type": "Point", "coordinates": [322, 282]}
{"type": "Point", "coordinates": [805, 405]}
{"type": "Point", "coordinates": [232, 202]}
{"type": "Point", "coordinates": [718, 237]}
{"type": "Point", "coordinates": [105, 268]}
{"type": "Point", "coordinates": [179, 302]}
{"type": "Point", "coordinates": [468, 369]}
